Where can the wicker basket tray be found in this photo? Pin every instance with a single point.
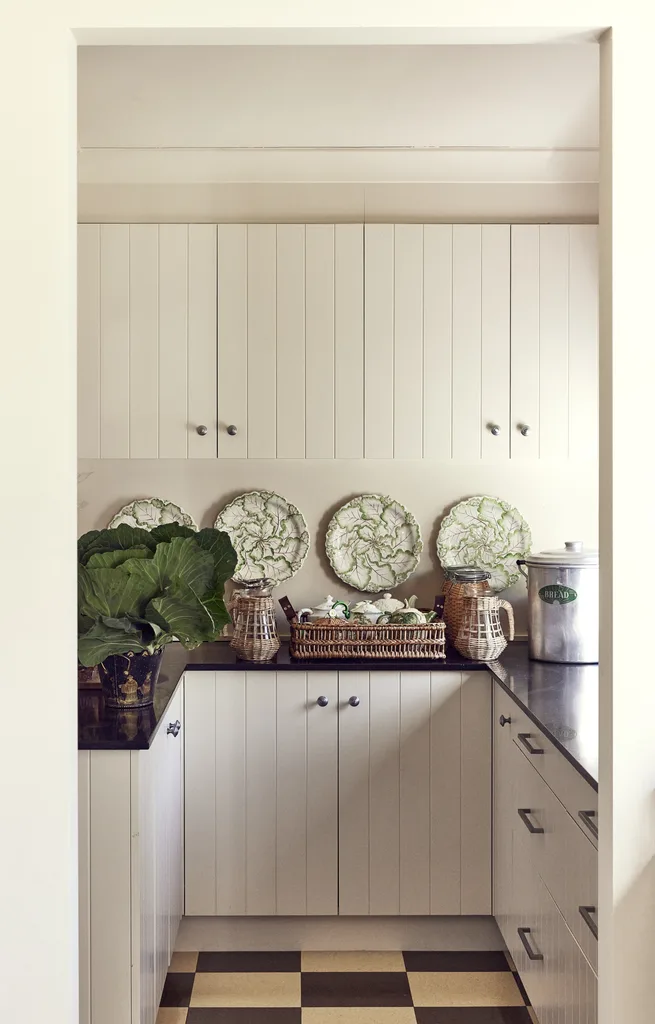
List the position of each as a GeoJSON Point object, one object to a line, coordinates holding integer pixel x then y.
{"type": "Point", "coordinates": [336, 639]}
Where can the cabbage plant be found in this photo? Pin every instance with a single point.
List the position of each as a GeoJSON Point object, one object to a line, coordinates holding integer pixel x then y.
{"type": "Point", "coordinates": [140, 589]}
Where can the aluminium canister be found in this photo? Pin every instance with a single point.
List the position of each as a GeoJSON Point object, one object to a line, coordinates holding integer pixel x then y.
{"type": "Point", "coordinates": [563, 604]}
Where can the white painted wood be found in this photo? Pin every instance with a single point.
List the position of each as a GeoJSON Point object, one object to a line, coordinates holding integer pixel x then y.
{"type": "Point", "coordinates": [467, 341]}
{"type": "Point", "coordinates": [291, 793]}
{"type": "Point", "coordinates": [172, 796]}
{"type": "Point", "coordinates": [349, 341]}
{"type": "Point", "coordinates": [290, 372]}
{"type": "Point", "coordinates": [415, 784]}
{"type": "Point", "coordinates": [202, 341]}
{"type": "Point", "coordinates": [200, 796]}
{"type": "Point", "coordinates": [476, 793]}
{"type": "Point", "coordinates": [173, 340]}
{"type": "Point", "coordinates": [495, 300]}
{"type": "Point", "coordinates": [322, 794]}
{"type": "Point", "coordinates": [525, 390]}
{"type": "Point", "coordinates": [354, 794]}
{"type": "Point", "coordinates": [262, 369]}
{"type": "Point", "coordinates": [384, 796]}
{"type": "Point", "coordinates": [554, 340]}
{"type": "Point", "coordinates": [378, 340]}
{"type": "Point", "coordinates": [504, 810]}
{"type": "Point", "coordinates": [583, 341]}
{"type": "Point", "coordinates": [233, 340]}
{"type": "Point", "coordinates": [261, 775]}
{"type": "Point", "coordinates": [84, 872]}
{"type": "Point", "coordinates": [149, 862]}
{"type": "Point", "coordinates": [319, 341]}
{"type": "Point", "coordinates": [144, 341]}
{"type": "Point", "coordinates": [223, 768]}
{"type": "Point", "coordinates": [88, 346]}
{"type": "Point", "coordinates": [114, 341]}
{"type": "Point", "coordinates": [408, 342]}
{"type": "Point", "coordinates": [445, 792]}
{"type": "Point", "coordinates": [437, 340]}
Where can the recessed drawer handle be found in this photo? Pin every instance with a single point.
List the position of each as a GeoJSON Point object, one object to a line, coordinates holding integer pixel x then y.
{"type": "Point", "coordinates": [585, 914]}
{"type": "Point", "coordinates": [535, 830]}
{"type": "Point", "coordinates": [532, 954]}
{"type": "Point", "coordinates": [586, 817]}
{"type": "Point", "coordinates": [525, 738]}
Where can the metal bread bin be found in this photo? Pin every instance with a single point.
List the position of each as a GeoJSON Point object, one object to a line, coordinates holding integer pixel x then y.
{"type": "Point", "coordinates": [563, 604]}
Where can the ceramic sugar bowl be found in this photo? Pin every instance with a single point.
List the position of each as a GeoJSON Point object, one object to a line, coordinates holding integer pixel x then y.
{"type": "Point", "coordinates": [365, 611]}
{"type": "Point", "coordinates": [330, 608]}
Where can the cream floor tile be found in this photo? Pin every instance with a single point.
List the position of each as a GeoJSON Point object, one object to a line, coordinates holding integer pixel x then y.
{"type": "Point", "coordinates": [352, 961]}
{"type": "Point", "coordinates": [171, 1015]}
{"type": "Point", "coordinates": [464, 988]}
{"type": "Point", "coordinates": [184, 963]}
{"type": "Point", "coordinates": [227, 989]}
{"type": "Point", "coordinates": [358, 1015]}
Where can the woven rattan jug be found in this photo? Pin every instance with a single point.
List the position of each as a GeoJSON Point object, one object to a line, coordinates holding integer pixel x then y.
{"type": "Point", "coordinates": [255, 633]}
{"type": "Point", "coordinates": [480, 635]}
{"type": "Point", "coordinates": [461, 581]}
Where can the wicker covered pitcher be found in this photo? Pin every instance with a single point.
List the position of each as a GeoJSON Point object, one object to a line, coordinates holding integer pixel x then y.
{"type": "Point", "coordinates": [461, 581]}
{"type": "Point", "coordinates": [480, 635]}
{"type": "Point", "coordinates": [255, 632]}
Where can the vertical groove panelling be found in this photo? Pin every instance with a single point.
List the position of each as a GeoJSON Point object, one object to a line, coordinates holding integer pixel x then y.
{"type": "Point", "coordinates": [261, 774]}
{"type": "Point", "coordinates": [319, 341]}
{"type": "Point", "coordinates": [495, 340]}
{"type": "Point", "coordinates": [114, 341]}
{"type": "Point", "coordinates": [173, 340]}
{"type": "Point", "coordinates": [84, 873]}
{"type": "Point", "coordinates": [291, 793]}
{"type": "Point", "coordinates": [378, 341]}
{"type": "Point", "coordinates": [322, 794]}
{"type": "Point", "coordinates": [525, 358]}
{"type": "Point", "coordinates": [384, 793]}
{"type": "Point", "coordinates": [476, 793]}
{"type": "Point", "coordinates": [202, 341]}
{"type": "Point", "coordinates": [232, 340]}
{"type": "Point", "coordinates": [144, 343]}
{"type": "Point", "coordinates": [467, 347]}
{"type": "Point", "coordinates": [553, 341]}
{"type": "Point", "coordinates": [290, 341]}
{"type": "Point", "coordinates": [201, 797]}
{"type": "Point", "coordinates": [437, 340]}
{"type": "Point", "coordinates": [229, 815]}
{"type": "Point", "coordinates": [354, 794]}
{"type": "Point", "coordinates": [408, 342]}
{"type": "Point", "coordinates": [583, 341]}
{"type": "Point", "coordinates": [262, 369]}
{"type": "Point", "coordinates": [88, 346]}
{"type": "Point", "coordinates": [349, 341]}
{"type": "Point", "coordinates": [445, 792]}
{"type": "Point", "coordinates": [415, 793]}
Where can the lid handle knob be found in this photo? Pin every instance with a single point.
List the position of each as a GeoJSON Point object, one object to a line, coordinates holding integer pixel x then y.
{"type": "Point", "coordinates": [573, 545]}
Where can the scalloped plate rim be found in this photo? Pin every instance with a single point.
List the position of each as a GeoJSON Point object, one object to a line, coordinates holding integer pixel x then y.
{"type": "Point", "coordinates": [293, 511]}
{"type": "Point", "coordinates": [164, 501]}
{"type": "Point", "coordinates": [449, 519]}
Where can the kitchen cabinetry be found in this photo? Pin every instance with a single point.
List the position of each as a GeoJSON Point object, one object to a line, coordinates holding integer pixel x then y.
{"type": "Point", "coordinates": [380, 341]}
{"type": "Point", "coordinates": [377, 802]}
{"type": "Point", "coordinates": [131, 874]}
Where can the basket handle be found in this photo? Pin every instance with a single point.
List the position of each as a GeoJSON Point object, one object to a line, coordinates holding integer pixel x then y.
{"type": "Point", "coordinates": [510, 616]}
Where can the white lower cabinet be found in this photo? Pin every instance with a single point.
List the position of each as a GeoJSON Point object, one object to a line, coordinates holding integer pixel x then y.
{"type": "Point", "coordinates": [357, 793]}
{"type": "Point", "coordinates": [131, 874]}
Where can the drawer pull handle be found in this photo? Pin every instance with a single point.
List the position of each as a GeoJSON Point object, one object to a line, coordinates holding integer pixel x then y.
{"type": "Point", "coordinates": [534, 830]}
{"type": "Point", "coordinates": [532, 954]}
{"type": "Point", "coordinates": [504, 721]}
{"type": "Point", "coordinates": [585, 914]}
{"type": "Point", "coordinates": [525, 738]}
{"type": "Point", "coordinates": [174, 728]}
{"type": "Point", "coordinates": [587, 818]}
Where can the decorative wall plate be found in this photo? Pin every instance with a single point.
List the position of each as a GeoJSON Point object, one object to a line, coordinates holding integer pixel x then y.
{"type": "Point", "coordinates": [148, 513]}
{"type": "Point", "coordinates": [268, 534]}
{"type": "Point", "coordinates": [373, 543]}
{"type": "Point", "coordinates": [488, 533]}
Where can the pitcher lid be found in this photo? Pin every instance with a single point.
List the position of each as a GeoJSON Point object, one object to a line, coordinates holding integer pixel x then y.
{"type": "Point", "coordinates": [573, 553]}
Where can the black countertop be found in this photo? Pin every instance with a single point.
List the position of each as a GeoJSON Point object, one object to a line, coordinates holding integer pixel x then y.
{"type": "Point", "coordinates": [562, 700]}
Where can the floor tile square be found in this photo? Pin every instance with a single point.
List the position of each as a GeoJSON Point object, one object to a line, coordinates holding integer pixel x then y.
{"type": "Point", "coordinates": [493, 960]}
{"type": "Point", "coordinates": [356, 988]}
{"type": "Point", "coordinates": [265, 989]}
{"type": "Point", "coordinates": [464, 988]}
{"type": "Point", "coordinates": [471, 1015]}
{"type": "Point", "coordinates": [358, 1015]}
{"type": "Point", "coordinates": [171, 1015]}
{"type": "Point", "coordinates": [243, 1015]}
{"type": "Point", "coordinates": [186, 963]}
{"type": "Point", "coordinates": [249, 963]}
{"type": "Point", "coordinates": [352, 961]}
{"type": "Point", "coordinates": [177, 989]}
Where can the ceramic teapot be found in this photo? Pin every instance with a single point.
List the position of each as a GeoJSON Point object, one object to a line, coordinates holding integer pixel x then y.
{"type": "Point", "coordinates": [328, 609]}
{"type": "Point", "coordinates": [365, 611]}
{"type": "Point", "coordinates": [410, 616]}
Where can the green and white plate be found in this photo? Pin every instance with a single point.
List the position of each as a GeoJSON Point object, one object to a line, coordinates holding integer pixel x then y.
{"type": "Point", "coordinates": [488, 533]}
{"type": "Point", "coordinates": [268, 533]}
{"type": "Point", "coordinates": [373, 543]}
{"type": "Point", "coordinates": [148, 513]}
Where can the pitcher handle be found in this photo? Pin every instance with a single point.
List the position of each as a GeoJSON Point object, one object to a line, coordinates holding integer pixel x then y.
{"type": "Point", "coordinates": [520, 562]}
{"type": "Point", "coordinates": [510, 616]}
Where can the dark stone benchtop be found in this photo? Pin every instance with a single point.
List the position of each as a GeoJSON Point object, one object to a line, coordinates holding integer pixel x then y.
{"type": "Point", "coordinates": [562, 700]}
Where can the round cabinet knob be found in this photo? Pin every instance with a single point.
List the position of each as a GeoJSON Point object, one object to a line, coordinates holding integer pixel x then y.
{"type": "Point", "coordinates": [505, 721]}
{"type": "Point", "coordinates": [525, 430]}
{"type": "Point", "coordinates": [495, 429]}
{"type": "Point", "coordinates": [202, 430]}
{"type": "Point", "coordinates": [322, 702]}
{"type": "Point", "coordinates": [354, 701]}
{"type": "Point", "coordinates": [232, 430]}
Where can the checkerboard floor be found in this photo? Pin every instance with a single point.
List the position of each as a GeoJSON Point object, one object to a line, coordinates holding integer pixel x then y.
{"type": "Point", "coordinates": [342, 988]}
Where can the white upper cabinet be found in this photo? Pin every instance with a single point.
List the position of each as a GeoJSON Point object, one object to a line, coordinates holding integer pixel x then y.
{"type": "Point", "coordinates": [319, 341]}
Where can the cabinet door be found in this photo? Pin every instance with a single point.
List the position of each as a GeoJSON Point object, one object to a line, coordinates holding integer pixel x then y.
{"type": "Point", "coordinates": [261, 792]}
{"type": "Point", "coordinates": [414, 793]}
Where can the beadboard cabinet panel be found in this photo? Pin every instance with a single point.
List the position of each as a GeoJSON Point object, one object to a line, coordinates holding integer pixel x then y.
{"type": "Point", "coordinates": [88, 348]}
{"type": "Point", "coordinates": [232, 340]}
{"type": "Point", "coordinates": [290, 334]}
{"type": "Point", "coordinates": [349, 341]}
{"type": "Point", "coordinates": [437, 340]}
{"type": "Point", "coordinates": [378, 341]}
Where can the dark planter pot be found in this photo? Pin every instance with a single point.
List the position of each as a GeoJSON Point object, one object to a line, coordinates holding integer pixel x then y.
{"type": "Point", "coordinates": [128, 680]}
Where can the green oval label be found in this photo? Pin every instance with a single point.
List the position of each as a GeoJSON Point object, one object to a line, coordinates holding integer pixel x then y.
{"type": "Point", "coordinates": [555, 593]}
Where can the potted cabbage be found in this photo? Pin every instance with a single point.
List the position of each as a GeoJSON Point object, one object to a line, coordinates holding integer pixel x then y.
{"type": "Point", "coordinates": [138, 590]}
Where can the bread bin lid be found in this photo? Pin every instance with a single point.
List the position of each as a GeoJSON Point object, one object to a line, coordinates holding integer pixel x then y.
{"type": "Point", "coordinates": [573, 554]}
